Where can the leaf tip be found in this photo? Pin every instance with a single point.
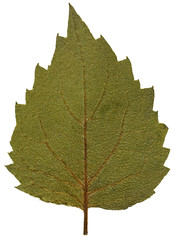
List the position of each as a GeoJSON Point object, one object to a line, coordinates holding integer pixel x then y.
{"type": "Point", "coordinates": [71, 9]}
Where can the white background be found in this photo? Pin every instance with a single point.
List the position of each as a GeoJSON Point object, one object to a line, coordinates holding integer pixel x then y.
{"type": "Point", "coordinates": [146, 32]}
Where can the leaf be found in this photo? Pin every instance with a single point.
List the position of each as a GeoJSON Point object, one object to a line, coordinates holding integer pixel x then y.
{"type": "Point", "coordinates": [87, 135]}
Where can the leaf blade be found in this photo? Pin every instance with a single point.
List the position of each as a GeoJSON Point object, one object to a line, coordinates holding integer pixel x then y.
{"type": "Point", "coordinates": [87, 135]}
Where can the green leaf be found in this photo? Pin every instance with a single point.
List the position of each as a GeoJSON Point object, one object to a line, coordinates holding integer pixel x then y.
{"type": "Point", "coordinates": [87, 135]}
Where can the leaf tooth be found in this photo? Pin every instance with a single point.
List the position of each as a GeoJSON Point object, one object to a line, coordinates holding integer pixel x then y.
{"type": "Point", "coordinates": [137, 83]}
{"type": "Point", "coordinates": [19, 104]}
{"type": "Point", "coordinates": [60, 41]}
{"type": "Point", "coordinates": [125, 67]}
{"type": "Point", "coordinates": [148, 91]}
{"type": "Point", "coordinates": [28, 95]}
{"type": "Point", "coordinates": [18, 108]}
{"type": "Point", "coordinates": [39, 69]}
{"type": "Point", "coordinates": [164, 129]}
{"type": "Point", "coordinates": [128, 60]}
{"type": "Point", "coordinates": [40, 75]}
{"type": "Point", "coordinates": [148, 94]}
{"type": "Point", "coordinates": [156, 115]}
{"type": "Point", "coordinates": [10, 154]}
{"type": "Point", "coordinates": [9, 166]}
{"type": "Point", "coordinates": [107, 49]}
{"type": "Point", "coordinates": [166, 152]}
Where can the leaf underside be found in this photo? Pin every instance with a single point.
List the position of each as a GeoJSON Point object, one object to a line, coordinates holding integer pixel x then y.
{"type": "Point", "coordinates": [86, 91]}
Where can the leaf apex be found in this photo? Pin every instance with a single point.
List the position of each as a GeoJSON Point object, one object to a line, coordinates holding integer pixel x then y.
{"type": "Point", "coordinates": [71, 9]}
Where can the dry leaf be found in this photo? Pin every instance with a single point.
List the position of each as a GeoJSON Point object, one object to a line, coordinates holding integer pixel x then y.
{"type": "Point", "coordinates": [87, 135]}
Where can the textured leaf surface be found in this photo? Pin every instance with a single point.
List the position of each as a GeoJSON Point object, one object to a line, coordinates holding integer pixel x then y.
{"type": "Point", "coordinates": [87, 135]}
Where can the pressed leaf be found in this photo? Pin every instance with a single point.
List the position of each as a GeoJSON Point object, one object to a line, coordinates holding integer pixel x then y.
{"type": "Point", "coordinates": [87, 135]}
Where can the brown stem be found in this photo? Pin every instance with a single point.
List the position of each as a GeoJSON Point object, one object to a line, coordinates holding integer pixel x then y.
{"type": "Point", "coordinates": [85, 227]}
{"type": "Point", "coordinates": [85, 230]}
